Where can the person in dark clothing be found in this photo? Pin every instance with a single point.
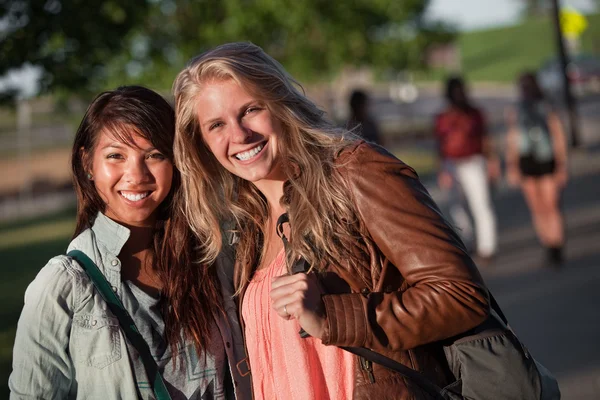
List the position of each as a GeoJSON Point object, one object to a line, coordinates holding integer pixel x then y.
{"type": "Point", "coordinates": [536, 159]}
{"type": "Point", "coordinates": [360, 119]}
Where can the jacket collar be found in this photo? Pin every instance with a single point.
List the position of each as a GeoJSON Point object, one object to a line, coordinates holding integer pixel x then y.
{"type": "Point", "coordinates": [111, 234]}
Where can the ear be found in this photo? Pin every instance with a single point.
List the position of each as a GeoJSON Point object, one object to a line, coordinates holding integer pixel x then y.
{"type": "Point", "coordinates": [86, 162]}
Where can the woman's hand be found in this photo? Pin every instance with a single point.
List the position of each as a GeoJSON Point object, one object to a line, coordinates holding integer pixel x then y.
{"type": "Point", "coordinates": [513, 176]}
{"type": "Point", "coordinates": [561, 176]}
{"type": "Point", "coordinates": [494, 170]}
{"type": "Point", "coordinates": [445, 180]}
{"type": "Point", "coordinates": [299, 297]}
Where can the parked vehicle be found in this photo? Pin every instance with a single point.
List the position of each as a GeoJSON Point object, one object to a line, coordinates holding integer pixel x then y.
{"type": "Point", "coordinates": [583, 73]}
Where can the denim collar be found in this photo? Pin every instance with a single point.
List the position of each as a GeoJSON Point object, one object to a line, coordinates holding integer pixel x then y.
{"type": "Point", "coordinates": [111, 234]}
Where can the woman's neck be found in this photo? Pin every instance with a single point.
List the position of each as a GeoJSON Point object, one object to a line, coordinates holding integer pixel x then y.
{"type": "Point", "coordinates": [137, 260]}
{"type": "Point", "coordinates": [273, 191]}
{"type": "Point", "coordinates": [140, 239]}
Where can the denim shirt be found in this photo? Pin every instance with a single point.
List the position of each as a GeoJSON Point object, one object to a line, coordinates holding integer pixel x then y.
{"type": "Point", "coordinates": [69, 344]}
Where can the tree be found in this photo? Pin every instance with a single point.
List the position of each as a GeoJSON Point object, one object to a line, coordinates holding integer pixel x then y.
{"type": "Point", "coordinates": [88, 44]}
{"type": "Point", "coordinates": [71, 40]}
{"type": "Point", "coordinates": [311, 38]}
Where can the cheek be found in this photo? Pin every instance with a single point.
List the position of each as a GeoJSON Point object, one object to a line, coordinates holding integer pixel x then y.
{"type": "Point", "coordinates": [217, 145]}
{"type": "Point", "coordinates": [105, 174]}
{"type": "Point", "coordinates": [165, 176]}
{"type": "Point", "coordinates": [276, 127]}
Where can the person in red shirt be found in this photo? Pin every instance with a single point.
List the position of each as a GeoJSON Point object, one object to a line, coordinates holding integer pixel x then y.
{"type": "Point", "coordinates": [467, 164]}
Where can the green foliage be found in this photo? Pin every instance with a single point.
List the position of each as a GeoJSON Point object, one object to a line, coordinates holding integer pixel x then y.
{"type": "Point", "coordinates": [312, 38]}
{"type": "Point", "coordinates": [70, 39]}
{"type": "Point", "coordinates": [105, 43]}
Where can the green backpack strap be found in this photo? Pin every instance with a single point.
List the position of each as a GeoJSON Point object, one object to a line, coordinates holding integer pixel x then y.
{"type": "Point", "coordinates": [127, 325]}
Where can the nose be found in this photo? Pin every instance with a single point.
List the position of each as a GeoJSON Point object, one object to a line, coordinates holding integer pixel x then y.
{"type": "Point", "coordinates": [240, 133]}
{"type": "Point", "coordinates": [137, 171]}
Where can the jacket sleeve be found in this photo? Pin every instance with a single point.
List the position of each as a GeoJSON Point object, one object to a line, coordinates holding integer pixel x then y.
{"type": "Point", "coordinates": [42, 368]}
{"type": "Point", "coordinates": [444, 296]}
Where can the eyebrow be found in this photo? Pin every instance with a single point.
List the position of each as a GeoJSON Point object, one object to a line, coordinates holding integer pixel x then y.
{"type": "Point", "coordinates": [242, 107]}
{"type": "Point", "coordinates": [119, 145]}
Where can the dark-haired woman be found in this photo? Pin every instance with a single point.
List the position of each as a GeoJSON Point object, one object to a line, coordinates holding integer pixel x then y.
{"type": "Point", "coordinates": [69, 343]}
{"type": "Point", "coordinates": [536, 157]}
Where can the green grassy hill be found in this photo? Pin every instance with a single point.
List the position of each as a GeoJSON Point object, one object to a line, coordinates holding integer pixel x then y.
{"type": "Point", "coordinates": [500, 54]}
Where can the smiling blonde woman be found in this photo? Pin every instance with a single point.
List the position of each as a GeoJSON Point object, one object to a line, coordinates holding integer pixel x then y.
{"type": "Point", "coordinates": [387, 272]}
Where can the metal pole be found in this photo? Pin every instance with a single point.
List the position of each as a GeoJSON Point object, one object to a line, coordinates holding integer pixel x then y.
{"type": "Point", "coordinates": [24, 144]}
{"type": "Point", "coordinates": [564, 61]}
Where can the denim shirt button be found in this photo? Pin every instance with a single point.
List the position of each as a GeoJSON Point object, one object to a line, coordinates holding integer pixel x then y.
{"type": "Point", "coordinates": [114, 263]}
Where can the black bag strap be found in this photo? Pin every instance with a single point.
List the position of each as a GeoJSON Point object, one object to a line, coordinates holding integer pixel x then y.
{"type": "Point", "coordinates": [431, 388]}
{"type": "Point", "coordinates": [127, 324]}
{"type": "Point", "coordinates": [301, 266]}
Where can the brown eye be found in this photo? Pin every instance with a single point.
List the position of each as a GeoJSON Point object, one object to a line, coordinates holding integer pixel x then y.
{"type": "Point", "coordinates": [157, 156]}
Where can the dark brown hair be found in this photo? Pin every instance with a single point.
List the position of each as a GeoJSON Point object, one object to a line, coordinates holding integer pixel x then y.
{"type": "Point", "coordinates": [529, 87]}
{"type": "Point", "coordinates": [456, 84]}
{"type": "Point", "coordinates": [191, 292]}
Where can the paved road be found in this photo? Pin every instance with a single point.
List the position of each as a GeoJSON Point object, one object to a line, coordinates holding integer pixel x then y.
{"type": "Point", "coordinates": [555, 312]}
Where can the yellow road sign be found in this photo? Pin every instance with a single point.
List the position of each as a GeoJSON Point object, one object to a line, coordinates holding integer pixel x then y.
{"type": "Point", "coordinates": [572, 22]}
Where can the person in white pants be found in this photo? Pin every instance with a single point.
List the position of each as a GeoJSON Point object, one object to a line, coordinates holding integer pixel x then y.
{"type": "Point", "coordinates": [466, 168]}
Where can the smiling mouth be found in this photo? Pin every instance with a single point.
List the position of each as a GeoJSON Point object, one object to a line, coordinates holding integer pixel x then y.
{"type": "Point", "coordinates": [247, 155]}
{"type": "Point", "coordinates": [134, 196]}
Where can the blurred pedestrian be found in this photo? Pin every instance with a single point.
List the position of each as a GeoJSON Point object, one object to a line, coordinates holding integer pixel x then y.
{"type": "Point", "coordinates": [361, 121]}
{"type": "Point", "coordinates": [536, 158]}
{"type": "Point", "coordinates": [158, 336]}
{"type": "Point", "coordinates": [385, 271]}
{"type": "Point", "coordinates": [468, 164]}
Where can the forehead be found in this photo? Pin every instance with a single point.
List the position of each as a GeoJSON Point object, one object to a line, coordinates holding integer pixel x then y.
{"type": "Point", "coordinates": [221, 92]}
{"type": "Point", "coordinates": [123, 135]}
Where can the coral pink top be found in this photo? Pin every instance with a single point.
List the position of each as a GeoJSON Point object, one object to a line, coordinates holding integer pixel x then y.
{"type": "Point", "coordinates": [285, 366]}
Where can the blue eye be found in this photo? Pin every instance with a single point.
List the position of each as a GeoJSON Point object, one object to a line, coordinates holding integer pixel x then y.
{"type": "Point", "coordinates": [114, 156]}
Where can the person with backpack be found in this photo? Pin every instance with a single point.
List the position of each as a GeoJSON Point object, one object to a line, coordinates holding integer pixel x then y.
{"type": "Point", "coordinates": [536, 160]}
{"type": "Point", "coordinates": [386, 271]}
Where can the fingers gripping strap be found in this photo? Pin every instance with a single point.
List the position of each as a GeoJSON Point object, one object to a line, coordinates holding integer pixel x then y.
{"type": "Point", "coordinates": [126, 322]}
{"type": "Point", "coordinates": [301, 265]}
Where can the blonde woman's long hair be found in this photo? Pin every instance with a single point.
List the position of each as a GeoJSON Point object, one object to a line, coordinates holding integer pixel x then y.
{"type": "Point", "coordinates": [322, 214]}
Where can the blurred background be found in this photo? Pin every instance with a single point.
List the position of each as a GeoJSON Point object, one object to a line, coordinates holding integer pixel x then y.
{"type": "Point", "coordinates": [55, 55]}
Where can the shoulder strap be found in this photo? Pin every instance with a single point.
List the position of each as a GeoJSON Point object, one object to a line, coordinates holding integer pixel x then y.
{"type": "Point", "coordinates": [126, 322]}
{"type": "Point", "coordinates": [415, 376]}
{"type": "Point", "coordinates": [301, 265]}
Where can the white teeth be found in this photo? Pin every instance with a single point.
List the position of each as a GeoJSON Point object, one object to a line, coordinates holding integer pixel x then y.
{"type": "Point", "coordinates": [135, 197]}
{"type": "Point", "coordinates": [246, 155]}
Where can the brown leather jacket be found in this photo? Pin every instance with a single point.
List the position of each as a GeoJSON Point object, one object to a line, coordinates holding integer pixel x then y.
{"type": "Point", "coordinates": [428, 288]}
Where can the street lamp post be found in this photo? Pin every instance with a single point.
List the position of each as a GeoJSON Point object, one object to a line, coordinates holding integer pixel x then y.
{"type": "Point", "coordinates": [564, 61]}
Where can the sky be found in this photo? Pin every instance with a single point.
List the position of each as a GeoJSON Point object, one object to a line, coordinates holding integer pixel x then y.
{"type": "Point", "coordinates": [475, 14]}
